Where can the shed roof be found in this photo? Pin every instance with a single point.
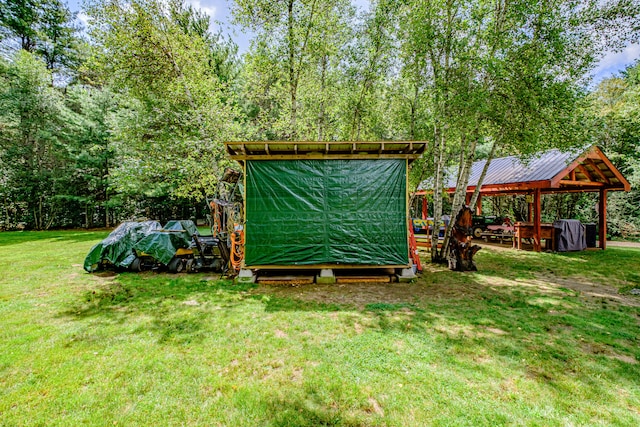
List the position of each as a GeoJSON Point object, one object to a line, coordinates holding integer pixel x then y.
{"type": "Point", "coordinates": [551, 171]}
{"type": "Point", "coordinates": [286, 150]}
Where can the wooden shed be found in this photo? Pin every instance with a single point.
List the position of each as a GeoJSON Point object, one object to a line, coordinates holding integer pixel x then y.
{"type": "Point", "coordinates": [325, 205]}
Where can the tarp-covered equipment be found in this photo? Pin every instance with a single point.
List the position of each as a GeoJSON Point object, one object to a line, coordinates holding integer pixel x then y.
{"type": "Point", "coordinates": [162, 245]}
{"type": "Point", "coordinates": [118, 248]}
{"type": "Point", "coordinates": [144, 245]}
{"type": "Point", "coordinates": [570, 235]}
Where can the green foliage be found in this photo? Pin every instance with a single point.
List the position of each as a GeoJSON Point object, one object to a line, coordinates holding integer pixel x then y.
{"type": "Point", "coordinates": [131, 121]}
{"type": "Point", "coordinates": [58, 42]}
{"type": "Point", "coordinates": [45, 27]}
{"type": "Point", "coordinates": [92, 153]}
{"type": "Point", "coordinates": [508, 73]}
{"type": "Point", "coordinates": [292, 75]}
{"type": "Point", "coordinates": [31, 142]}
{"type": "Point", "coordinates": [19, 18]}
{"type": "Point", "coordinates": [162, 56]}
{"type": "Point", "coordinates": [616, 109]}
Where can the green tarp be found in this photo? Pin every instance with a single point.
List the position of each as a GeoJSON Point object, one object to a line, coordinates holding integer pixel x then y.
{"type": "Point", "coordinates": [185, 225]}
{"type": "Point", "coordinates": [117, 248]}
{"type": "Point", "coordinates": [162, 245]}
{"type": "Point", "coordinates": [310, 212]}
{"type": "Point", "coordinates": [120, 247]}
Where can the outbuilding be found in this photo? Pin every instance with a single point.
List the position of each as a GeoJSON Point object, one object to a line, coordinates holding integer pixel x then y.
{"type": "Point", "coordinates": [325, 205]}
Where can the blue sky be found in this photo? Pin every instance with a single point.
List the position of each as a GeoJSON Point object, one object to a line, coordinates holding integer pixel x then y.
{"type": "Point", "coordinates": [219, 11]}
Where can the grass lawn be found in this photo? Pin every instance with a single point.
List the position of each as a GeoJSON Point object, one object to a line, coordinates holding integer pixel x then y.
{"type": "Point", "coordinates": [530, 339]}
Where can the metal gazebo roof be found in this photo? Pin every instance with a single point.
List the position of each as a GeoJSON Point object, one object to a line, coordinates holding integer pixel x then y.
{"type": "Point", "coordinates": [551, 171]}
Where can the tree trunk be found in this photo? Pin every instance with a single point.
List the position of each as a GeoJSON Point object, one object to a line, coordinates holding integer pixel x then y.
{"type": "Point", "coordinates": [460, 251]}
{"type": "Point", "coordinates": [321, 113]}
{"type": "Point", "coordinates": [476, 192]}
{"type": "Point", "coordinates": [461, 255]}
{"type": "Point", "coordinates": [292, 75]}
{"type": "Point", "coordinates": [414, 107]}
{"type": "Point", "coordinates": [438, 156]}
{"type": "Point", "coordinates": [466, 162]}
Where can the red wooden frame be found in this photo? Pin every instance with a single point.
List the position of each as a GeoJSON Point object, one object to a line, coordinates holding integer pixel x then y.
{"type": "Point", "coordinates": [566, 181]}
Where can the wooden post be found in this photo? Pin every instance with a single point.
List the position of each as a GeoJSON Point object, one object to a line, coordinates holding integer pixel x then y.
{"type": "Point", "coordinates": [537, 246]}
{"type": "Point", "coordinates": [424, 207]}
{"type": "Point", "coordinates": [467, 198]}
{"type": "Point", "coordinates": [479, 205]}
{"type": "Point", "coordinates": [602, 219]}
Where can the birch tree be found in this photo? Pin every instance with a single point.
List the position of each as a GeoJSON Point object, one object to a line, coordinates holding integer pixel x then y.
{"type": "Point", "coordinates": [511, 73]}
{"type": "Point", "coordinates": [290, 67]}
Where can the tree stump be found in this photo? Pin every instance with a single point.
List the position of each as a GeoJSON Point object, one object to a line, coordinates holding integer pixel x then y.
{"type": "Point", "coordinates": [461, 251]}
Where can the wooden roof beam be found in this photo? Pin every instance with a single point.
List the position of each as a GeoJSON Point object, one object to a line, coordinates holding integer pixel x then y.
{"type": "Point", "coordinates": [409, 148]}
{"type": "Point", "coordinates": [570, 167]}
{"type": "Point", "coordinates": [598, 171]}
{"type": "Point", "coordinates": [582, 183]}
{"type": "Point", "coordinates": [322, 156]}
{"type": "Point", "coordinates": [614, 170]}
{"type": "Point", "coordinates": [585, 172]}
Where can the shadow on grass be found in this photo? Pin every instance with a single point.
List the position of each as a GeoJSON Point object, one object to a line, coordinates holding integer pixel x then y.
{"type": "Point", "coordinates": [520, 306]}
{"type": "Point", "coordinates": [177, 305]}
{"type": "Point", "coordinates": [275, 304]}
{"type": "Point", "coordinates": [614, 263]}
{"type": "Point", "coordinates": [297, 412]}
{"type": "Point", "coordinates": [504, 310]}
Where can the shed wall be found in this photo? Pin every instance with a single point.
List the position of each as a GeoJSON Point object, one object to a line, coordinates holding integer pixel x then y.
{"type": "Point", "coordinates": [317, 212]}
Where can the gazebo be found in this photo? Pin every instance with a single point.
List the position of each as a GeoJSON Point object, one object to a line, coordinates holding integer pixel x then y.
{"type": "Point", "coordinates": [549, 172]}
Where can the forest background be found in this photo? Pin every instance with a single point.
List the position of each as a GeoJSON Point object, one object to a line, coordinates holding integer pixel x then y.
{"type": "Point", "coordinates": [122, 115]}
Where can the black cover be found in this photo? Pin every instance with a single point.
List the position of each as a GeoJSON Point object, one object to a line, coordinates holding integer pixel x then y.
{"type": "Point", "coordinates": [570, 235]}
{"type": "Point", "coordinates": [591, 233]}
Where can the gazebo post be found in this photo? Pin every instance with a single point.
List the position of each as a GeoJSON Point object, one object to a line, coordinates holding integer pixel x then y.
{"type": "Point", "coordinates": [424, 207]}
{"type": "Point", "coordinates": [537, 232]}
{"type": "Point", "coordinates": [602, 218]}
{"type": "Point", "coordinates": [479, 205]}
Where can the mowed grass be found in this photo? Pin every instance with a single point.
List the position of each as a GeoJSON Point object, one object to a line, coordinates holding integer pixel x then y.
{"type": "Point", "coordinates": [529, 339]}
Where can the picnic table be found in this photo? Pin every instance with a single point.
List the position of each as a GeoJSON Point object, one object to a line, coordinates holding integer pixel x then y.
{"type": "Point", "coordinates": [524, 230]}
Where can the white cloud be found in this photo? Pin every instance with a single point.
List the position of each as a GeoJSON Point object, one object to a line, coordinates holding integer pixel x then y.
{"type": "Point", "coordinates": [207, 8]}
{"type": "Point", "coordinates": [84, 19]}
{"type": "Point", "coordinates": [614, 62]}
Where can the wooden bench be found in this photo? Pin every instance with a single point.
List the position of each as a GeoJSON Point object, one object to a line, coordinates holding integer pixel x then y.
{"type": "Point", "coordinates": [524, 230]}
